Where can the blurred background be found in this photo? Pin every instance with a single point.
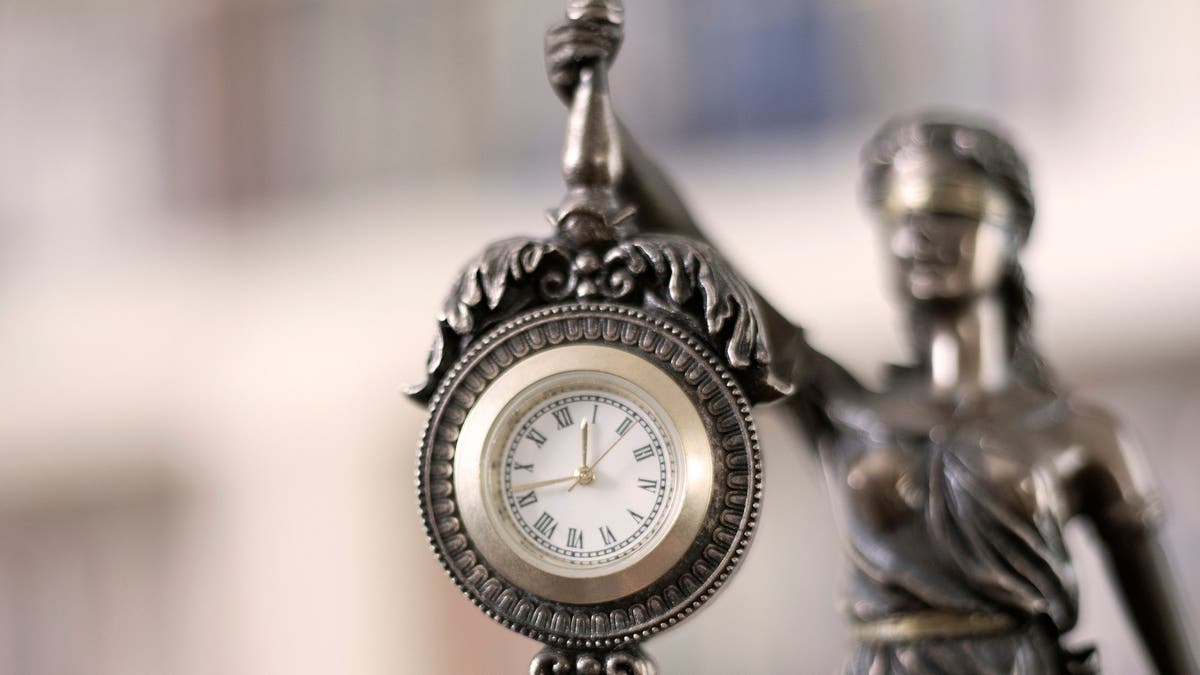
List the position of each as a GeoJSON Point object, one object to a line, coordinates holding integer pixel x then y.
{"type": "Point", "coordinates": [226, 226]}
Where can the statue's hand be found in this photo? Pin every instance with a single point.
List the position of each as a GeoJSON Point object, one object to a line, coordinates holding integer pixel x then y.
{"type": "Point", "coordinates": [574, 43]}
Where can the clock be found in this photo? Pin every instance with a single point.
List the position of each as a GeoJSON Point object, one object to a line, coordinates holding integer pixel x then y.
{"type": "Point", "coordinates": [589, 473]}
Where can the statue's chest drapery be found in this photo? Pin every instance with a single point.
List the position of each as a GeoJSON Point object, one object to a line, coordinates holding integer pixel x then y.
{"type": "Point", "coordinates": [949, 511]}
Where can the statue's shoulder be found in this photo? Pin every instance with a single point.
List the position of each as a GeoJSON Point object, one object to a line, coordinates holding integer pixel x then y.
{"type": "Point", "coordinates": [901, 412]}
{"type": "Point", "coordinates": [1115, 479]}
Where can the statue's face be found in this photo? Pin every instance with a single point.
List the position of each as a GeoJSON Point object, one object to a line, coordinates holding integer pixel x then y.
{"type": "Point", "coordinates": [943, 257]}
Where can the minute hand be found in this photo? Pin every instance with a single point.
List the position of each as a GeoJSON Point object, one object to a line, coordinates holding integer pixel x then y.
{"type": "Point", "coordinates": [605, 453]}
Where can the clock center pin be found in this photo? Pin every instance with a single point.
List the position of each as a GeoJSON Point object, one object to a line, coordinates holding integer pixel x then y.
{"type": "Point", "coordinates": [584, 475]}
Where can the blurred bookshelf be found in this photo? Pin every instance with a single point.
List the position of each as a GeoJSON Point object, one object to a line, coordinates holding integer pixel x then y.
{"type": "Point", "coordinates": [218, 220]}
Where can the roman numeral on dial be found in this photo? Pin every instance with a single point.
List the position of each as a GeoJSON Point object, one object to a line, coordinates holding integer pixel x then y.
{"type": "Point", "coordinates": [536, 436]}
{"type": "Point", "coordinates": [648, 484]}
{"type": "Point", "coordinates": [517, 466]}
{"type": "Point", "coordinates": [546, 525]}
{"type": "Point", "coordinates": [563, 417]}
{"type": "Point", "coordinates": [635, 515]}
{"type": "Point", "coordinates": [527, 499]}
{"type": "Point", "coordinates": [574, 538]}
{"type": "Point", "coordinates": [607, 536]}
{"type": "Point", "coordinates": [624, 426]}
{"type": "Point", "coordinates": [644, 452]}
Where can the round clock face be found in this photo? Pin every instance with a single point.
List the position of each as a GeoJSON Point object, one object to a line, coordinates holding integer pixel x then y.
{"type": "Point", "coordinates": [587, 474]}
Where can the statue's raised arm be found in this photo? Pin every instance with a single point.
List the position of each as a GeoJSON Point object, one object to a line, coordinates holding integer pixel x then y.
{"type": "Point", "coordinates": [592, 32]}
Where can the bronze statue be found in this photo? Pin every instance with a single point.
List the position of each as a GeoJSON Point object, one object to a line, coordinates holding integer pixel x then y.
{"type": "Point", "coordinates": [953, 484]}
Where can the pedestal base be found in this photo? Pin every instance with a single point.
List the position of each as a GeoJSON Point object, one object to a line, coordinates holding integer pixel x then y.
{"type": "Point", "coordinates": [625, 661]}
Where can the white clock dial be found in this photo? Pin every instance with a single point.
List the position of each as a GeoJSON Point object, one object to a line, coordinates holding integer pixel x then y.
{"type": "Point", "coordinates": [597, 511]}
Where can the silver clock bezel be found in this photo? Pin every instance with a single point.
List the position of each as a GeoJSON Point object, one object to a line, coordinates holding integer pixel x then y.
{"type": "Point", "coordinates": [489, 423]}
{"type": "Point", "coordinates": [727, 526]}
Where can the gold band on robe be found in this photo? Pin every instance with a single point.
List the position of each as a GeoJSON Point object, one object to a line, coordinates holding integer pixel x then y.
{"type": "Point", "coordinates": [932, 626]}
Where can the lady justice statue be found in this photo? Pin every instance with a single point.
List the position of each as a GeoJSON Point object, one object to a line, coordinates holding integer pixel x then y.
{"type": "Point", "coordinates": [952, 485]}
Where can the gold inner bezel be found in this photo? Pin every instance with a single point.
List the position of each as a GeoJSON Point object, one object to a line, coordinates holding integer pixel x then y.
{"type": "Point", "coordinates": [487, 423]}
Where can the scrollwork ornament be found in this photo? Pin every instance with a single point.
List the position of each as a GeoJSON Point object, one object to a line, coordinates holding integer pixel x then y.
{"type": "Point", "coordinates": [682, 271]}
{"type": "Point", "coordinates": [676, 276]}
